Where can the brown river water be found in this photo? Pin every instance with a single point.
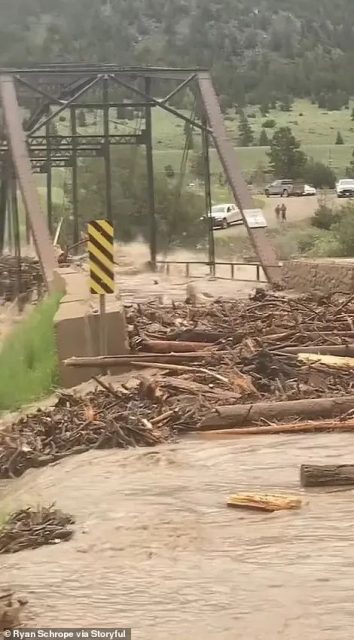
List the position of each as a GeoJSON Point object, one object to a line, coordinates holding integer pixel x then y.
{"type": "Point", "coordinates": [156, 549]}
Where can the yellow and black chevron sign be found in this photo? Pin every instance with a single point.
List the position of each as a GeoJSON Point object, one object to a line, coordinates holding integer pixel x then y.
{"type": "Point", "coordinates": [101, 260]}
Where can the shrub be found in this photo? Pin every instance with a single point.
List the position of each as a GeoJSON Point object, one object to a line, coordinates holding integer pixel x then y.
{"type": "Point", "coordinates": [269, 124]}
{"type": "Point", "coordinates": [324, 217]}
{"type": "Point", "coordinates": [169, 171]}
{"type": "Point", "coordinates": [28, 358]}
{"type": "Point", "coordinates": [344, 230]}
{"type": "Point", "coordinates": [319, 175]}
{"type": "Point", "coordinates": [81, 119]}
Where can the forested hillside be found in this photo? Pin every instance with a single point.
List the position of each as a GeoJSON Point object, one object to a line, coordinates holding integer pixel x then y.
{"type": "Point", "coordinates": [258, 50]}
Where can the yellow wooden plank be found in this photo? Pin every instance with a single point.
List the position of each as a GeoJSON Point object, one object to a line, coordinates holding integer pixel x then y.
{"type": "Point", "coordinates": [339, 362]}
{"type": "Point", "coordinates": [264, 502]}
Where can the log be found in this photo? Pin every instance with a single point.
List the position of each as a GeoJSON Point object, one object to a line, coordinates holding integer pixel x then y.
{"type": "Point", "coordinates": [329, 350]}
{"type": "Point", "coordinates": [196, 388]}
{"type": "Point", "coordinates": [292, 427]}
{"type": "Point", "coordinates": [229, 417]}
{"type": "Point", "coordinates": [197, 335]}
{"type": "Point", "coordinates": [182, 369]}
{"type": "Point", "coordinates": [327, 475]}
{"type": "Point", "coordinates": [307, 335]}
{"type": "Point", "coordinates": [168, 346]}
{"type": "Point", "coordinates": [104, 362]}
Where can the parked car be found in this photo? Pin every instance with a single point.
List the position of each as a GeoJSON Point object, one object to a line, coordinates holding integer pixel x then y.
{"type": "Point", "coordinates": [224, 215]}
{"type": "Point", "coordinates": [286, 188]}
{"type": "Point", "coordinates": [309, 191]}
{"type": "Point", "coordinates": [279, 188]}
{"type": "Point", "coordinates": [345, 188]}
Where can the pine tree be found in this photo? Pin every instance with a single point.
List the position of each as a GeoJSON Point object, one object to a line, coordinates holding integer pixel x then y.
{"type": "Point", "coordinates": [285, 156]}
{"type": "Point", "coordinates": [349, 172]}
{"type": "Point", "coordinates": [81, 118]}
{"type": "Point", "coordinates": [246, 136]}
{"type": "Point", "coordinates": [197, 165]}
{"type": "Point", "coordinates": [339, 139]}
{"type": "Point", "coordinates": [53, 129]}
{"type": "Point", "coordinates": [263, 139]}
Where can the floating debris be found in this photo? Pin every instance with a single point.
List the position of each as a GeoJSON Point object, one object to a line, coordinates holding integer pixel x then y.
{"type": "Point", "coordinates": [103, 419]}
{"type": "Point", "coordinates": [31, 528]}
{"type": "Point", "coordinates": [10, 611]}
{"type": "Point", "coordinates": [265, 502]}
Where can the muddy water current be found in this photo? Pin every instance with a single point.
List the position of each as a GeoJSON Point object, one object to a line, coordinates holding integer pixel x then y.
{"type": "Point", "coordinates": [155, 547]}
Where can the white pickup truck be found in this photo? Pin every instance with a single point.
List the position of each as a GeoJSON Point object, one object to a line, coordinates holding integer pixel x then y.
{"type": "Point", "coordinates": [224, 215]}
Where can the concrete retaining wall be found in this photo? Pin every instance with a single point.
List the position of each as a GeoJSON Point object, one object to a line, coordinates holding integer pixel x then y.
{"type": "Point", "coordinates": [77, 326]}
{"type": "Point", "coordinates": [321, 276]}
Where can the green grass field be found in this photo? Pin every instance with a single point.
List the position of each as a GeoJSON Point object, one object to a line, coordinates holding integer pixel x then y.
{"type": "Point", "coordinates": [315, 128]}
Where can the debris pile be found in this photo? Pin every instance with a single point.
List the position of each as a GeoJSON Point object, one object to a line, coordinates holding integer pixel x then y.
{"type": "Point", "coordinates": [31, 528]}
{"type": "Point", "coordinates": [102, 419]}
{"type": "Point", "coordinates": [19, 281]}
{"type": "Point", "coordinates": [266, 349]}
{"type": "Point", "coordinates": [247, 371]}
{"type": "Point", "coordinates": [261, 340]}
{"type": "Point", "coordinates": [266, 321]}
{"type": "Point", "coordinates": [10, 611]}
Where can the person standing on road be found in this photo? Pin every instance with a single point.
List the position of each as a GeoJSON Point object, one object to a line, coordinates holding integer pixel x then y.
{"type": "Point", "coordinates": [277, 212]}
{"type": "Point", "coordinates": [283, 212]}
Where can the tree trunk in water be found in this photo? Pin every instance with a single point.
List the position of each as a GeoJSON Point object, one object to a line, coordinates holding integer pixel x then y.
{"type": "Point", "coordinates": [326, 475]}
{"type": "Point", "coordinates": [228, 417]}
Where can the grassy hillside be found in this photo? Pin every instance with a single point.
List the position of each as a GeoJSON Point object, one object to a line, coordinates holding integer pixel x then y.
{"type": "Point", "coordinates": [315, 128]}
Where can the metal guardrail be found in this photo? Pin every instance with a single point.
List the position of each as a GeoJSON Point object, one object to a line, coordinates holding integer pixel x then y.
{"type": "Point", "coordinates": [213, 268]}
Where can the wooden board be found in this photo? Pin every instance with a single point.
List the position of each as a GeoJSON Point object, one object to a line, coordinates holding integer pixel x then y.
{"type": "Point", "coordinates": [264, 502]}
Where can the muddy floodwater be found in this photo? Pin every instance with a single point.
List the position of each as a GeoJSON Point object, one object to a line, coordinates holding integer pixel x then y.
{"type": "Point", "coordinates": [156, 549]}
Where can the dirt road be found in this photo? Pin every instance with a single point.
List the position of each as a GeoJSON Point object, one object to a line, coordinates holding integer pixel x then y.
{"type": "Point", "coordinates": [298, 209]}
{"type": "Point", "coordinates": [156, 548]}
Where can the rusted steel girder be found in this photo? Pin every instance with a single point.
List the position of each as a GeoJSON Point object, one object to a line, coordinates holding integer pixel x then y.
{"type": "Point", "coordinates": [241, 193]}
{"type": "Point", "coordinates": [22, 164]}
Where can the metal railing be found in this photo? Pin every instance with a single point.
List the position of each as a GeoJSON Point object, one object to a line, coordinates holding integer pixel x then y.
{"type": "Point", "coordinates": [213, 268]}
